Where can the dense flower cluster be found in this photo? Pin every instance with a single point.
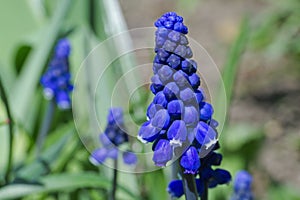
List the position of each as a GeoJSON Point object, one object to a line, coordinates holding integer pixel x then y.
{"type": "Point", "coordinates": [56, 80]}
{"type": "Point", "coordinates": [242, 186]}
{"type": "Point", "coordinates": [209, 176]}
{"type": "Point", "coordinates": [113, 137]}
{"type": "Point", "coordinates": [180, 120]}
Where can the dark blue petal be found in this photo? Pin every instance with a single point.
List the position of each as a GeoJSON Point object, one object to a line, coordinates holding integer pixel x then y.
{"type": "Point", "coordinates": [161, 119]}
{"type": "Point", "coordinates": [115, 116]}
{"type": "Point", "coordinates": [187, 95]}
{"type": "Point", "coordinates": [153, 109]}
{"type": "Point", "coordinates": [174, 36]}
{"type": "Point", "coordinates": [129, 158]}
{"type": "Point", "coordinates": [174, 61]}
{"type": "Point", "coordinates": [189, 66]}
{"type": "Point", "coordinates": [156, 85]}
{"type": "Point", "coordinates": [177, 133]}
{"type": "Point", "coordinates": [188, 52]}
{"type": "Point", "coordinates": [175, 188]}
{"type": "Point", "coordinates": [190, 160]}
{"type": "Point", "coordinates": [63, 100]}
{"type": "Point", "coordinates": [191, 116]}
{"type": "Point", "coordinates": [213, 123]}
{"type": "Point", "coordinates": [181, 79]}
{"type": "Point", "coordinates": [220, 176]}
{"type": "Point", "coordinates": [63, 48]}
{"type": "Point", "coordinates": [171, 91]}
{"type": "Point", "coordinates": [162, 32]}
{"type": "Point", "coordinates": [98, 156]}
{"type": "Point", "coordinates": [181, 50]}
{"type": "Point", "coordinates": [176, 108]}
{"type": "Point", "coordinates": [165, 73]}
{"type": "Point", "coordinates": [206, 173]}
{"type": "Point", "coordinates": [162, 54]}
{"type": "Point", "coordinates": [199, 96]}
{"type": "Point", "coordinates": [200, 186]}
{"type": "Point", "coordinates": [169, 46]}
{"type": "Point", "coordinates": [194, 81]}
{"type": "Point", "coordinates": [205, 135]}
{"type": "Point", "coordinates": [214, 159]}
{"type": "Point", "coordinates": [206, 111]}
{"type": "Point", "coordinates": [148, 133]}
{"type": "Point", "coordinates": [160, 99]}
{"type": "Point", "coordinates": [162, 153]}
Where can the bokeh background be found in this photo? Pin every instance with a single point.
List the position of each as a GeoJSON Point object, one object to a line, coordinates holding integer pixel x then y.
{"type": "Point", "coordinates": [255, 44]}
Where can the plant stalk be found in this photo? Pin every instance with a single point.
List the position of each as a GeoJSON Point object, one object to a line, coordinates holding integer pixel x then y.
{"type": "Point", "coordinates": [204, 196]}
{"type": "Point", "coordinates": [11, 134]}
{"type": "Point", "coordinates": [47, 120]}
{"type": "Point", "coordinates": [115, 179]}
{"type": "Point", "coordinates": [189, 186]}
{"type": "Point", "coordinates": [92, 21]}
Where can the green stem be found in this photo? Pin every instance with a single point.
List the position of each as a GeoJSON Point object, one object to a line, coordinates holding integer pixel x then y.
{"type": "Point", "coordinates": [189, 186]}
{"type": "Point", "coordinates": [115, 179]}
{"type": "Point", "coordinates": [92, 15]}
{"type": "Point", "coordinates": [45, 126]}
{"type": "Point", "coordinates": [10, 129]}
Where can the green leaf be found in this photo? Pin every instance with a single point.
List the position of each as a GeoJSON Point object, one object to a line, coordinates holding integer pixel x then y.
{"type": "Point", "coordinates": [21, 55]}
{"type": "Point", "coordinates": [49, 157]}
{"type": "Point", "coordinates": [236, 136]}
{"type": "Point", "coordinates": [59, 183]}
{"type": "Point", "coordinates": [156, 184]}
{"type": "Point", "coordinates": [114, 24]}
{"type": "Point", "coordinates": [23, 91]}
{"type": "Point", "coordinates": [230, 70]}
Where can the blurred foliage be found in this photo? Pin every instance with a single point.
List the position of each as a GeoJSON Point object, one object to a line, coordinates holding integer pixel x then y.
{"type": "Point", "coordinates": [279, 30]}
{"type": "Point", "coordinates": [63, 170]}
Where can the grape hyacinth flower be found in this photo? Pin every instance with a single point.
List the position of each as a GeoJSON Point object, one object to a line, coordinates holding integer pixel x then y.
{"type": "Point", "coordinates": [180, 122]}
{"type": "Point", "coordinates": [113, 137]}
{"type": "Point", "coordinates": [56, 80]}
{"type": "Point", "coordinates": [242, 186]}
{"type": "Point", "coordinates": [57, 87]}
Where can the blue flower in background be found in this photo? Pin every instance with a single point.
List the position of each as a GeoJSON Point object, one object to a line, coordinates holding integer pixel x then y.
{"type": "Point", "coordinates": [180, 122]}
{"type": "Point", "coordinates": [242, 186]}
{"type": "Point", "coordinates": [56, 80]}
{"type": "Point", "coordinates": [113, 136]}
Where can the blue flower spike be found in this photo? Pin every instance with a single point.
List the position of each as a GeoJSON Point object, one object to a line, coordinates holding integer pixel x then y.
{"type": "Point", "coordinates": [180, 121]}
{"type": "Point", "coordinates": [242, 186]}
{"type": "Point", "coordinates": [56, 81]}
{"type": "Point", "coordinates": [113, 136]}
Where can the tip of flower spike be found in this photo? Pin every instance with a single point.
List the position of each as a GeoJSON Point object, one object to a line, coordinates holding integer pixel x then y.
{"type": "Point", "coordinates": [64, 105]}
{"type": "Point", "coordinates": [63, 48]}
{"type": "Point", "coordinates": [115, 116]}
{"type": "Point", "coordinates": [48, 93]}
{"type": "Point", "coordinates": [172, 21]}
{"type": "Point", "coordinates": [242, 181]}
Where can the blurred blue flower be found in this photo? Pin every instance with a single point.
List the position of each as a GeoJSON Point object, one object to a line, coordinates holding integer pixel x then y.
{"type": "Point", "coordinates": [56, 81]}
{"type": "Point", "coordinates": [113, 136]}
{"type": "Point", "coordinates": [242, 186]}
